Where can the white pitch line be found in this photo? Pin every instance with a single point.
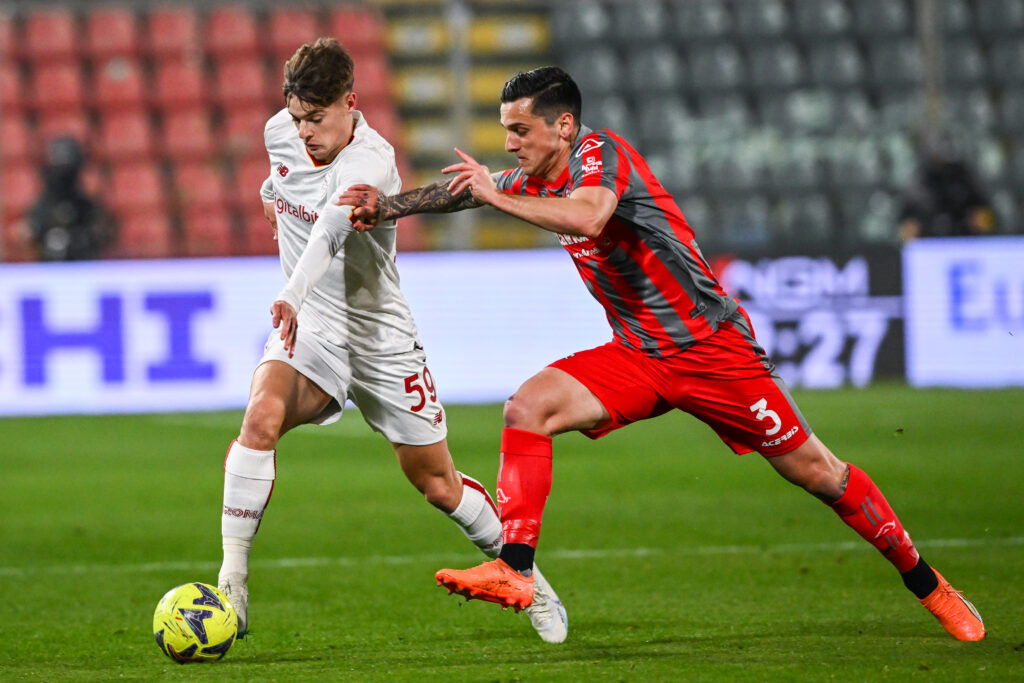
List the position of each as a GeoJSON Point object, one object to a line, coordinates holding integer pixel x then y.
{"type": "Point", "coordinates": [441, 558]}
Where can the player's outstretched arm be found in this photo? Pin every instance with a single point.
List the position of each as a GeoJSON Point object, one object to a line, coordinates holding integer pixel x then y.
{"type": "Point", "coordinates": [371, 207]}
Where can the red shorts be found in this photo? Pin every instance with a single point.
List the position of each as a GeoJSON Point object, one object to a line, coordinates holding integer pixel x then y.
{"type": "Point", "coordinates": [726, 380]}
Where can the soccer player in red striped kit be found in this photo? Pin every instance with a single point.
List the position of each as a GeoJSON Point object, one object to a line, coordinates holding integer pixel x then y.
{"type": "Point", "coordinates": [679, 340]}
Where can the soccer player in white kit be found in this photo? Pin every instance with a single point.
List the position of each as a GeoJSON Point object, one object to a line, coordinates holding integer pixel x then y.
{"type": "Point", "coordinates": [343, 329]}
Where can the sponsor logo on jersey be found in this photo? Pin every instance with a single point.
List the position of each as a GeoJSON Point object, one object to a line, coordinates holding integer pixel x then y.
{"type": "Point", "coordinates": [300, 212]}
{"type": "Point", "coordinates": [244, 513]}
{"type": "Point", "coordinates": [592, 166]}
{"type": "Point", "coordinates": [283, 170]}
{"type": "Point", "coordinates": [588, 146]}
{"type": "Point", "coordinates": [785, 437]}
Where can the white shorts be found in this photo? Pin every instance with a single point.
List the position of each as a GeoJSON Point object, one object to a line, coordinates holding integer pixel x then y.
{"type": "Point", "coordinates": [395, 393]}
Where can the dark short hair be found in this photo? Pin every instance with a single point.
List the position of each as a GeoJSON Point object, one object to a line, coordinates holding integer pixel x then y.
{"type": "Point", "coordinates": [553, 91]}
{"type": "Point", "coordinates": [319, 72]}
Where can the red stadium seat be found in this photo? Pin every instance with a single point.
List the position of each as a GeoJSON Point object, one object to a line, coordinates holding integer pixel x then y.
{"type": "Point", "coordinates": [20, 186]}
{"type": "Point", "coordinates": [257, 236]}
{"type": "Point", "coordinates": [117, 83]}
{"type": "Point", "coordinates": [288, 28]}
{"type": "Point", "coordinates": [207, 232]}
{"type": "Point", "coordinates": [70, 122]}
{"type": "Point", "coordinates": [179, 84]}
{"type": "Point", "coordinates": [125, 135]}
{"type": "Point", "coordinates": [373, 80]}
{"type": "Point", "coordinates": [359, 29]}
{"type": "Point", "coordinates": [198, 185]}
{"type": "Point", "coordinates": [242, 131]}
{"type": "Point", "coordinates": [241, 82]}
{"type": "Point", "coordinates": [12, 88]}
{"type": "Point", "coordinates": [232, 31]}
{"type": "Point", "coordinates": [57, 86]}
{"type": "Point", "coordinates": [8, 38]}
{"type": "Point", "coordinates": [136, 186]}
{"type": "Point", "coordinates": [50, 35]}
{"type": "Point", "coordinates": [383, 119]}
{"type": "Point", "coordinates": [17, 143]}
{"type": "Point", "coordinates": [111, 32]}
{"type": "Point", "coordinates": [172, 32]}
{"type": "Point", "coordinates": [144, 234]}
{"type": "Point", "coordinates": [186, 135]}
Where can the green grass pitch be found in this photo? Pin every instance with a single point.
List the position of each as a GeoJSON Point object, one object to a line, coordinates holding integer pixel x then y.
{"type": "Point", "coordinates": [676, 559]}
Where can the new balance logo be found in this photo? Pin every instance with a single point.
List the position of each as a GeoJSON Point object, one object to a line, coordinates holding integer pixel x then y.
{"type": "Point", "coordinates": [283, 170]}
{"type": "Point", "coordinates": [438, 418]}
{"type": "Point", "coordinates": [244, 513]}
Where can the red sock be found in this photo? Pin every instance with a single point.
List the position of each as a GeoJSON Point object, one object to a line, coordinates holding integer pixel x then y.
{"type": "Point", "coordinates": [864, 508]}
{"type": "Point", "coordinates": [524, 482]}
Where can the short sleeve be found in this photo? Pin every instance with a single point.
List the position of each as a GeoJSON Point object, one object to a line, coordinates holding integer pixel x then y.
{"type": "Point", "coordinates": [599, 161]}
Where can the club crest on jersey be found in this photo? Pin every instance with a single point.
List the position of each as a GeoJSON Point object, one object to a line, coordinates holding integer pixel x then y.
{"type": "Point", "coordinates": [283, 170]}
{"type": "Point", "coordinates": [588, 146]}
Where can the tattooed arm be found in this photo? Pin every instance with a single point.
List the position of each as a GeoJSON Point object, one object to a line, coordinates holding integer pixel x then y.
{"type": "Point", "coordinates": [371, 207]}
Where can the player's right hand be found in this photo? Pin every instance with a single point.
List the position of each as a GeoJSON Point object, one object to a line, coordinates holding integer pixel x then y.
{"type": "Point", "coordinates": [283, 316]}
{"type": "Point", "coordinates": [270, 212]}
{"type": "Point", "coordinates": [365, 200]}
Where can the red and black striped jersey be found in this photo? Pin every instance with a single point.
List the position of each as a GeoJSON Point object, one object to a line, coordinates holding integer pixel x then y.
{"type": "Point", "coordinates": [645, 267]}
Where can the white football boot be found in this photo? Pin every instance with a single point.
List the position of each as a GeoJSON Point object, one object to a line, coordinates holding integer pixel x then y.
{"type": "Point", "coordinates": [547, 613]}
{"type": "Point", "coordinates": [233, 586]}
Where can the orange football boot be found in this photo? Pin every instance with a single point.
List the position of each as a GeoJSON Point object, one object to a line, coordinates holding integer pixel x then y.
{"type": "Point", "coordinates": [956, 614]}
{"type": "Point", "coordinates": [492, 581]}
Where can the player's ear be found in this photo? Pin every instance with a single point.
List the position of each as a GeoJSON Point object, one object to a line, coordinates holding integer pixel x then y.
{"type": "Point", "coordinates": [350, 100]}
{"type": "Point", "coordinates": [566, 123]}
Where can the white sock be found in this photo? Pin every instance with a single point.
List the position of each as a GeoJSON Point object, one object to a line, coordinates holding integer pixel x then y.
{"type": "Point", "coordinates": [248, 482]}
{"type": "Point", "coordinates": [477, 516]}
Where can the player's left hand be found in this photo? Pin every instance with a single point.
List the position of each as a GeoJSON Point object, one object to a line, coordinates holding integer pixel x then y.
{"type": "Point", "coordinates": [283, 316]}
{"type": "Point", "coordinates": [472, 175]}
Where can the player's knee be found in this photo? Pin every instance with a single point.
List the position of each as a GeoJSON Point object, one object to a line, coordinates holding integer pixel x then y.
{"type": "Point", "coordinates": [261, 427]}
{"type": "Point", "coordinates": [523, 413]}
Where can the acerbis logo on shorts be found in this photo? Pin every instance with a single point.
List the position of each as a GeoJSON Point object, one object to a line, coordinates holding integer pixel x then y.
{"type": "Point", "coordinates": [784, 437]}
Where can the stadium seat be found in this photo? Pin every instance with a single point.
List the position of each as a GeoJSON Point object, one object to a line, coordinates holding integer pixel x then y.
{"type": "Point", "coordinates": [9, 47]}
{"type": "Point", "coordinates": [707, 20]}
{"type": "Point", "coordinates": [971, 108]}
{"type": "Point", "coordinates": [836, 64]}
{"type": "Point", "coordinates": [761, 20]}
{"type": "Point", "coordinates": [207, 232]}
{"type": "Point", "coordinates": [799, 167]}
{"type": "Point", "coordinates": [288, 28]}
{"type": "Point", "coordinates": [186, 134]}
{"type": "Point", "coordinates": [509, 34]}
{"type": "Point", "coordinates": [799, 111]}
{"type": "Point", "coordinates": [718, 66]}
{"type": "Point", "coordinates": [596, 70]}
{"type": "Point", "coordinates": [414, 36]}
{"type": "Point", "coordinates": [654, 69]}
{"type": "Point", "coordinates": [20, 185]}
{"type": "Point", "coordinates": [359, 28]}
{"type": "Point", "coordinates": [896, 63]}
{"type": "Point", "coordinates": [728, 110]}
{"type": "Point", "coordinates": [199, 185]}
{"type": "Point", "coordinates": [232, 32]}
{"type": "Point", "coordinates": [179, 84]}
{"type": "Point", "coordinates": [955, 17]}
{"type": "Point", "coordinates": [776, 65]}
{"type": "Point", "coordinates": [12, 88]}
{"type": "Point", "coordinates": [373, 78]}
{"type": "Point", "coordinates": [874, 19]}
{"type": "Point", "coordinates": [854, 111]}
{"type": "Point", "coordinates": [73, 122]}
{"type": "Point", "coordinates": [822, 20]}
{"type": "Point", "coordinates": [111, 32]}
{"type": "Point", "coordinates": [241, 132]}
{"type": "Point", "coordinates": [117, 83]}
{"type": "Point", "coordinates": [805, 218]}
{"type": "Point", "coordinates": [1007, 62]}
{"type": "Point", "coordinates": [856, 165]}
{"type": "Point", "coordinates": [172, 32]}
{"type": "Point", "coordinates": [664, 118]}
{"type": "Point", "coordinates": [731, 168]}
{"type": "Point", "coordinates": [136, 186]}
{"type": "Point", "coordinates": [744, 221]}
{"type": "Point", "coordinates": [1000, 17]}
{"type": "Point", "coordinates": [18, 143]}
{"type": "Point", "coordinates": [580, 24]}
{"type": "Point", "coordinates": [144, 234]}
{"type": "Point", "coordinates": [900, 110]}
{"type": "Point", "coordinates": [257, 236]}
{"type": "Point", "coordinates": [383, 119]}
{"type": "Point", "coordinates": [50, 34]}
{"type": "Point", "coordinates": [242, 82]}
{"type": "Point", "coordinates": [1011, 111]}
{"type": "Point", "coordinates": [1008, 210]}
{"type": "Point", "coordinates": [246, 182]}
{"type": "Point", "coordinates": [639, 23]}
{"type": "Point", "coordinates": [963, 63]}
{"type": "Point", "coordinates": [125, 135]}
{"type": "Point", "coordinates": [55, 86]}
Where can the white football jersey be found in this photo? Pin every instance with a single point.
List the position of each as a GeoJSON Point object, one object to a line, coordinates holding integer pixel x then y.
{"type": "Point", "coordinates": [357, 303]}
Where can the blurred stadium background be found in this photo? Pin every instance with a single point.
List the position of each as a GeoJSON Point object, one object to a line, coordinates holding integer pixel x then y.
{"type": "Point", "coordinates": [787, 130]}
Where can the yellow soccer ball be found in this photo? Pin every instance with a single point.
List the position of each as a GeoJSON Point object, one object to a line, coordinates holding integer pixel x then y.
{"type": "Point", "coordinates": [195, 622]}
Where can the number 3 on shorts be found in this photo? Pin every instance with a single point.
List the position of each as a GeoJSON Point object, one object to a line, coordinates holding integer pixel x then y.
{"type": "Point", "coordinates": [761, 408]}
{"type": "Point", "coordinates": [422, 385]}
